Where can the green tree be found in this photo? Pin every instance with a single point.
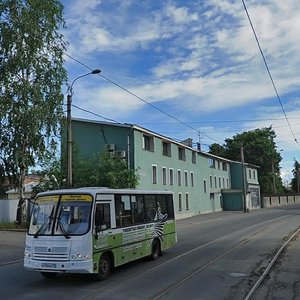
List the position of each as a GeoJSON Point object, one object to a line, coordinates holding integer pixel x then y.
{"type": "Point", "coordinates": [104, 170]}
{"type": "Point", "coordinates": [100, 170]}
{"type": "Point", "coordinates": [259, 149]}
{"type": "Point", "coordinates": [31, 76]}
{"type": "Point", "coordinates": [296, 172]}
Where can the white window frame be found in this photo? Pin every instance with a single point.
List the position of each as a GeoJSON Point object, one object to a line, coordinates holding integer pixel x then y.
{"type": "Point", "coordinates": [180, 201]}
{"type": "Point", "coordinates": [192, 179]}
{"type": "Point", "coordinates": [186, 178]}
{"type": "Point", "coordinates": [171, 177]}
{"type": "Point", "coordinates": [151, 142]}
{"type": "Point", "coordinates": [187, 201]}
{"type": "Point", "coordinates": [154, 174]}
{"type": "Point", "coordinates": [164, 176]}
{"type": "Point", "coordinates": [179, 177]}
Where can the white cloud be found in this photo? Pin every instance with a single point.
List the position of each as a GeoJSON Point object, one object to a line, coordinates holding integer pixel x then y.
{"type": "Point", "coordinates": [180, 14]}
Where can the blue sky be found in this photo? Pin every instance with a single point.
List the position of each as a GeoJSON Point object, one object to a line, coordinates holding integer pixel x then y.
{"type": "Point", "coordinates": [196, 60]}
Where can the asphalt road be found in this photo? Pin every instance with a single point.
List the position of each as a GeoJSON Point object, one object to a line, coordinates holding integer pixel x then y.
{"type": "Point", "coordinates": [218, 256]}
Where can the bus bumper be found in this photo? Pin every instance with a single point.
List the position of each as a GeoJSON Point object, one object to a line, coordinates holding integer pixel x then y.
{"type": "Point", "coordinates": [84, 266]}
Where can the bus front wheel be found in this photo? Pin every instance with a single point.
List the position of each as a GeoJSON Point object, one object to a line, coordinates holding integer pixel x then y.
{"type": "Point", "coordinates": [105, 266]}
{"type": "Point", "coordinates": [155, 252]}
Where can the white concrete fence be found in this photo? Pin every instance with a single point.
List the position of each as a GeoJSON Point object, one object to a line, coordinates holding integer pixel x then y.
{"type": "Point", "coordinates": [269, 201]}
{"type": "Point", "coordinates": [8, 210]}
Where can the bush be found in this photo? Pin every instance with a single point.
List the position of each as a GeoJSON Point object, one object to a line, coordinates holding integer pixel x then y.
{"type": "Point", "coordinates": [13, 226]}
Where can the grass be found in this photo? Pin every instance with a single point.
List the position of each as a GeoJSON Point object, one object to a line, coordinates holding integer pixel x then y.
{"type": "Point", "coordinates": [13, 226]}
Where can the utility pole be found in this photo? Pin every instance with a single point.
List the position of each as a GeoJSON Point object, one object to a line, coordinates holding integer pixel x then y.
{"type": "Point", "coordinates": [274, 179]}
{"type": "Point", "coordinates": [69, 128]}
{"type": "Point", "coordinates": [243, 179]}
{"type": "Point", "coordinates": [298, 179]}
{"type": "Point", "coordinates": [69, 142]}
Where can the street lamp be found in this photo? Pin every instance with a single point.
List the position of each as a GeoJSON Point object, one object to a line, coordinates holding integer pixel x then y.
{"type": "Point", "coordinates": [69, 127]}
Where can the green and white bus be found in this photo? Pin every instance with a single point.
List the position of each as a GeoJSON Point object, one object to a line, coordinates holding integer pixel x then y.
{"type": "Point", "coordinates": [92, 230]}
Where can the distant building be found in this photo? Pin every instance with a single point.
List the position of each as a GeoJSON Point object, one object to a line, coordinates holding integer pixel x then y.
{"type": "Point", "coordinates": [198, 179]}
{"type": "Point", "coordinates": [247, 184]}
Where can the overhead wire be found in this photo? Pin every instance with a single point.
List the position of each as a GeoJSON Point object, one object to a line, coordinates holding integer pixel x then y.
{"type": "Point", "coordinates": [131, 93]}
{"type": "Point", "coordinates": [269, 72]}
{"type": "Point", "coordinates": [95, 114]}
{"type": "Point", "coordinates": [140, 98]}
{"type": "Point", "coordinates": [221, 121]}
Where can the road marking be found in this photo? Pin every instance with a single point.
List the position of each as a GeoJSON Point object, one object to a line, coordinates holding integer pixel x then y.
{"type": "Point", "coordinates": [11, 262]}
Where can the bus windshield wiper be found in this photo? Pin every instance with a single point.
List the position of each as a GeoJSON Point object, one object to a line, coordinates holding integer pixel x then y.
{"type": "Point", "coordinates": [42, 229]}
{"type": "Point", "coordinates": [63, 229]}
{"type": "Point", "coordinates": [44, 226]}
{"type": "Point", "coordinates": [61, 225]}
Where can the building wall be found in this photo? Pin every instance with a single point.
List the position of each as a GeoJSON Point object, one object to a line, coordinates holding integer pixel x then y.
{"type": "Point", "coordinates": [207, 175]}
{"type": "Point", "coordinates": [92, 137]}
{"type": "Point", "coordinates": [217, 178]}
{"type": "Point", "coordinates": [195, 198]}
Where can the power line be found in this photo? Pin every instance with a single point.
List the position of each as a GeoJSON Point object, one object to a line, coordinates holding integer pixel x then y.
{"type": "Point", "coordinates": [270, 75]}
{"type": "Point", "coordinates": [220, 121]}
{"type": "Point", "coordinates": [141, 99]}
{"type": "Point", "coordinates": [90, 112]}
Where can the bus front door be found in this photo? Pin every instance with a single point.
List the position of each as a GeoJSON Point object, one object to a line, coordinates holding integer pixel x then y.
{"type": "Point", "coordinates": [105, 221]}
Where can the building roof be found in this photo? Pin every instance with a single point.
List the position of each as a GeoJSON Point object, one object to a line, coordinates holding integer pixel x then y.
{"type": "Point", "coordinates": [150, 132]}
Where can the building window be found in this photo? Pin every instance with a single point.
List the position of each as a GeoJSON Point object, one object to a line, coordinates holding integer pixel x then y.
{"type": "Point", "coordinates": [180, 202]}
{"type": "Point", "coordinates": [194, 155]}
{"type": "Point", "coordinates": [219, 165]}
{"type": "Point", "coordinates": [227, 181]}
{"type": "Point", "coordinates": [211, 181]}
{"type": "Point", "coordinates": [223, 183]}
{"type": "Point", "coordinates": [224, 166]}
{"type": "Point", "coordinates": [204, 186]}
{"type": "Point", "coordinates": [148, 142]}
{"type": "Point", "coordinates": [220, 182]}
{"type": "Point", "coordinates": [211, 163]}
{"type": "Point", "coordinates": [166, 148]}
{"type": "Point", "coordinates": [171, 176]}
{"type": "Point", "coordinates": [254, 174]}
{"type": "Point", "coordinates": [179, 177]}
{"type": "Point", "coordinates": [181, 153]}
{"type": "Point", "coordinates": [186, 181]}
{"type": "Point", "coordinates": [164, 176]}
{"type": "Point", "coordinates": [187, 204]}
{"type": "Point", "coordinates": [249, 174]}
{"type": "Point", "coordinates": [216, 185]}
{"type": "Point", "coordinates": [192, 179]}
{"type": "Point", "coordinates": [154, 174]}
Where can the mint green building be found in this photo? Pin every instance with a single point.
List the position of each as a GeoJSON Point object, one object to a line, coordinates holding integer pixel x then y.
{"type": "Point", "coordinates": [242, 184]}
{"type": "Point", "coordinates": [198, 179]}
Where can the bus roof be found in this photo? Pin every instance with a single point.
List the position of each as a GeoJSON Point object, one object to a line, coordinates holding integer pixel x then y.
{"type": "Point", "coordinates": [102, 190]}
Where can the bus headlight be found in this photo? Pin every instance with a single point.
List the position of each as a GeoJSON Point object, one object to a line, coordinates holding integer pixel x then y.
{"type": "Point", "coordinates": [81, 256]}
{"type": "Point", "coordinates": [27, 252]}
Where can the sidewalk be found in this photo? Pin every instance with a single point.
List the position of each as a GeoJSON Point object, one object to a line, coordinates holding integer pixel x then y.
{"type": "Point", "coordinates": [283, 282]}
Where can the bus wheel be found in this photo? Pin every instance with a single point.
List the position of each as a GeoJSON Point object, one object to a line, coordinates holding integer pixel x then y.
{"type": "Point", "coordinates": [49, 275]}
{"type": "Point", "coordinates": [105, 266]}
{"type": "Point", "coordinates": [155, 252]}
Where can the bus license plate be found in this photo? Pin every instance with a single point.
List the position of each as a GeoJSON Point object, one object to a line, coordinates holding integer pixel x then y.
{"type": "Point", "coordinates": [48, 265]}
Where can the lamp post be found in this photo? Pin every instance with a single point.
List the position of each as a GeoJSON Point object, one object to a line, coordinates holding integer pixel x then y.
{"type": "Point", "coordinates": [69, 127]}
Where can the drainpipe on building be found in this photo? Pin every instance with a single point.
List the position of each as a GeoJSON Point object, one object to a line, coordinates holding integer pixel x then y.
{"type": "Point", "coordinates": [128, 152]}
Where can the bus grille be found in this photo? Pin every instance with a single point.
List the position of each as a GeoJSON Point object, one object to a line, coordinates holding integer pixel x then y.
{"type": "Point", "coordinates": [51, 253]}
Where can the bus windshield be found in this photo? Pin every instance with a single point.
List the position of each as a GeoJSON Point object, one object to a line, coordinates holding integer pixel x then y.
{"type": "Point", "coordinates": [61, 215]}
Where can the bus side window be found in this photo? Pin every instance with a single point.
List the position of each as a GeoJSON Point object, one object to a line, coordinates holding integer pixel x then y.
{"type": "Point", "coordinates": [102, 217]}
{"type": "Point", "coordinates": [138, 209]}
{"type": "Point", "coordinates": [150, 208]}
{"type": "Point", "coordinates": [123, 210]}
